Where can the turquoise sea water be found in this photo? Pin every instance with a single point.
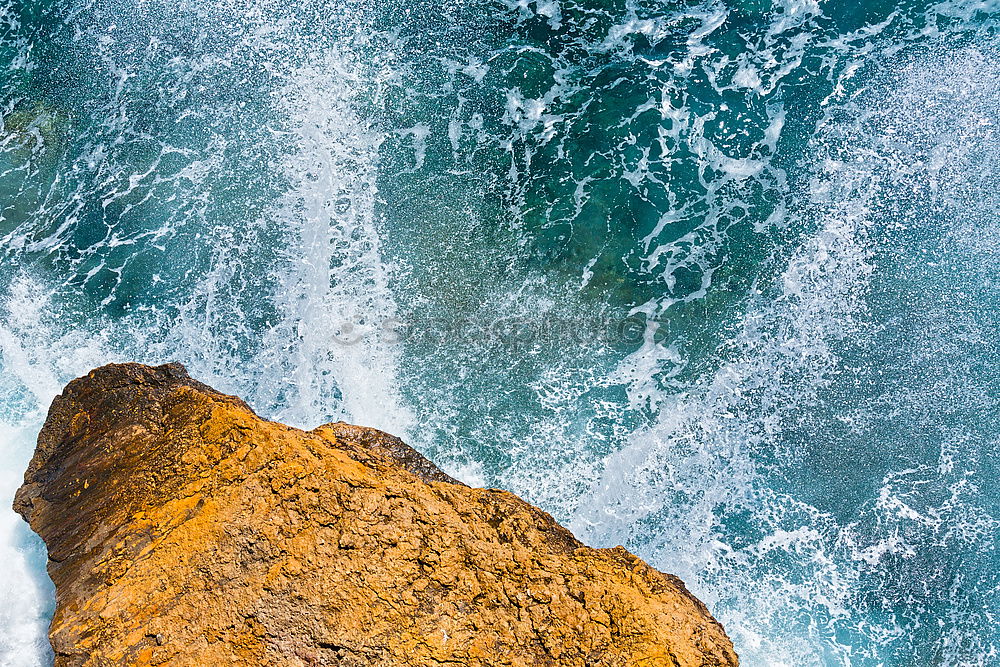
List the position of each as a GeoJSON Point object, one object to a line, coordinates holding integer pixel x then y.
{"type": "Point", "coordinates": [717, 281]}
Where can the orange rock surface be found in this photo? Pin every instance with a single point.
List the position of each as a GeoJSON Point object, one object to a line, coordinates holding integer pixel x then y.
{"type": "Point", "coordinates": [182, 529]}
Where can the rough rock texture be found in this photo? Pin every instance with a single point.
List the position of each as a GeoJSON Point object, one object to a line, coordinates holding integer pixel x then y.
{"type": "Point", "coordinates": [183, 529]}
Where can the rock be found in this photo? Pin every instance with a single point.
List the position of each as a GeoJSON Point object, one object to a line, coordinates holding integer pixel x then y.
{"type": "Point", "coordinates": [184, 529]}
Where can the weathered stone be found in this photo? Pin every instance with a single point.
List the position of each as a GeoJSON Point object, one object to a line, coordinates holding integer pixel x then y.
{"type": "Point", "coordinates": [182, 529]}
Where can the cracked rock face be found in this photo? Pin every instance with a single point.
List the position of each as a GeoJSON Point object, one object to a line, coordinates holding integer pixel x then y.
{"type": "Point", "coordinates": [183, 529]}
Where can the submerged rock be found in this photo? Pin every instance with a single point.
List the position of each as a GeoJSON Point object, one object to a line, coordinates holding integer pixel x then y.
{"type": "Point", "coordinates": [183, 529]}
{"type": "Point", "coordinates": [36, 129]}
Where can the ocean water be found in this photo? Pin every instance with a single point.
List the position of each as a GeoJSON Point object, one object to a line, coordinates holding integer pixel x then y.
{"type": "Point", "coordinates": [718, 281]}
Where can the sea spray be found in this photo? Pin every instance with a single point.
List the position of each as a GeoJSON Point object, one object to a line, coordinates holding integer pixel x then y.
{"type": "Point", "coordinates": [710, 279]}
{"type": "Point", "coordinates": [141, 240]}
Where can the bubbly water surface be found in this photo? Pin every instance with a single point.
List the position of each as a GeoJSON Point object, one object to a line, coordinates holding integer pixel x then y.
{"type": "Point", "coordinates": [714, 280]}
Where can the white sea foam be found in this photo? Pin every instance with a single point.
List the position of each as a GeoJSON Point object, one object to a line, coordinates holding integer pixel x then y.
{"type": "Point", "coordinates": [326, 355]}
{"type": "Point", "coordinates": [34, 357]}
{"type": "Point", "coordinates": [718, 450]}
{"type": "Point", "coordinates": [704, 490]}
{"type": "Point", "coordinates": [25, 592]}
{"type": "Point", "coordinates": [336, 298]}
{"type": "Point", "coordinates": [665, 492]}
{"type": "Point", "coordinates": [330, 354]}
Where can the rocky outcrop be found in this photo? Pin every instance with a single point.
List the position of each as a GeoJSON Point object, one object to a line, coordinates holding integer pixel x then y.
{"type": "Point", "coordinates": [182, 529]}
